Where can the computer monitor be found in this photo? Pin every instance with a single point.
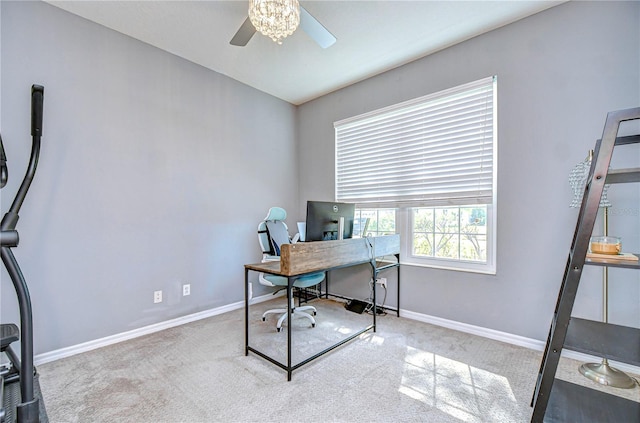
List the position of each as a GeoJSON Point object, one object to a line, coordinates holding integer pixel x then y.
{"type": "Point", "coordinates": [323, 219]}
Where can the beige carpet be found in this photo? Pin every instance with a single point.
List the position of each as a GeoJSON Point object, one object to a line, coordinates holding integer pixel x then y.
{"type": "Point", "coordinates": [407, 371]}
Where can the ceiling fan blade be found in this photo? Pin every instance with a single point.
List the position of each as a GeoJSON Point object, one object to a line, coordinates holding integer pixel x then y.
{"type": "Point", "coordinates": [244, 34]}
{"type": "Point", "coordinates": [315, 29]}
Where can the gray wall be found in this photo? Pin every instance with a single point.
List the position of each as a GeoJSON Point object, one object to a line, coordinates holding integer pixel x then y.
{"type": "Point", "coordinates": [559, 73]}
{"type": "Point", "coordinates": [151, 174]}
{"type": "Point", "coordinates": [154, 172]}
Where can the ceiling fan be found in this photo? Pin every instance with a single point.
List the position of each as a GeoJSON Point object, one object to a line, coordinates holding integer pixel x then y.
{"type": "Point", "coordinates": [308, 23]}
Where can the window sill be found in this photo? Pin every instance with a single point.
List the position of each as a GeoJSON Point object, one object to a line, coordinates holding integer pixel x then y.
{"type": "Point", "coordinates": [486, 271]}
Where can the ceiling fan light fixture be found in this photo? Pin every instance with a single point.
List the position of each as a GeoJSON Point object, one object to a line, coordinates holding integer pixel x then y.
{"type": "Point", "coordinates": [277, 19]}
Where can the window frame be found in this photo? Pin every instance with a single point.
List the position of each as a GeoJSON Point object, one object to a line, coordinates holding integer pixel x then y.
{"type": "Point", "coordinates": [404, 226]}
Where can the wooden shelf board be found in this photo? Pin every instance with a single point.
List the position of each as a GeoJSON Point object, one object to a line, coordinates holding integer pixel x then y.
{"type": "Point", "coordinates": [614, 342]}
{"type": "Point", "coordinates": [623, 176]}
{"type": "Point", "coordinates": [627, 264]}
{"type": "Point", "coordinates": [574, 403]}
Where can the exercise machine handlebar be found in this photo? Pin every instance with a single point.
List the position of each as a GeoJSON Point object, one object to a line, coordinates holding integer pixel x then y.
{"type": "Point", "coordinates": [4, 173]}
{"type": "Point", "coordinates": [37, 100]}
{"type": "Point", "coordinates": [10, 219]}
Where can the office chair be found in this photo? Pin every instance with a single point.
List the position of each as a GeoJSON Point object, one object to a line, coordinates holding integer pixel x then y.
{"type": "Point", "coordinates": [272, 233]}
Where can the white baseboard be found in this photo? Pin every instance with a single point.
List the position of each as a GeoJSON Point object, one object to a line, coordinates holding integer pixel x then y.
{"type": "Point", "coordinates": [475, 330]}
{"type": "Point", "coordinates": [509, 338]}
{"type": "Point", "coordinates": [146, 330]}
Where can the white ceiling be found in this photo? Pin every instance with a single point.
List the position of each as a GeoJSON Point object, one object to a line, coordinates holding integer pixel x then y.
{"type": "Point", "coordinates": [373, 37]}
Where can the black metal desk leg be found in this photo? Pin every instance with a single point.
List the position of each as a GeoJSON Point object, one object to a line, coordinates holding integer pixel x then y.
{"type": "Point", "coordinates": [375, 285]}
{"type": "Point", "coordinates": [289, 324]}
{"type": "Point", "coordinates": [375, 305]}
{"type": "Point", "coordinates": [326, 285]}
{"type": "Point", "coordinates": [246, 311]}
{"type": "Point", "coordinates": [398, 290]}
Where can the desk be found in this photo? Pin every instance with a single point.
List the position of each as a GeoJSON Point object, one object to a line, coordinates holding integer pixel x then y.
{"type": "Point", "coordinates": [303, 258]}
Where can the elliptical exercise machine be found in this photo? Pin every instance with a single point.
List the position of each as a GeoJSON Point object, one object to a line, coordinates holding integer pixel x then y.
{"type": "Point", "coordinates": [25, 406]}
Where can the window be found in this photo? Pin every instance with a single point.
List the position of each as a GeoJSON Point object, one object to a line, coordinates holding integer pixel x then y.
{"type": "Point", "coordinates": [374, 222]}
{"type": "Point", "coordinates": [458, 233]}
{"type": "Point", "coordinates": [425, 169]}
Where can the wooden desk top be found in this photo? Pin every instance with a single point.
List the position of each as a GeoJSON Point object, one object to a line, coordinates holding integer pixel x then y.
{"type": "Point", "coordinates": [306, 257]}
{"type": "Point", "coordinates": [269, 267]}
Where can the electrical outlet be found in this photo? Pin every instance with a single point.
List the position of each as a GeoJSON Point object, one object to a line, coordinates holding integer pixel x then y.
{"type": "Point", "coordinates": [157, 297]}
{"type": "Point", "coordinates": [186, 289]}
{"type": "Point", "coordinates": [382, 281]}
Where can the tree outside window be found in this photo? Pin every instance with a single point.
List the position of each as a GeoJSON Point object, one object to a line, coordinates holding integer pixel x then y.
{"type": "Point", "coordinates": [457, 233]}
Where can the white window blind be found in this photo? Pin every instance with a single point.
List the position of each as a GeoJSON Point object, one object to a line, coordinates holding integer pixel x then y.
{"type": "Point", "coordinates": [430, 151]}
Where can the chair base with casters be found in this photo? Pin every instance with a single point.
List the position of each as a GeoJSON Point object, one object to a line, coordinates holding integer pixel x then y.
{"type": "Point", "coordinates": [302, 311]}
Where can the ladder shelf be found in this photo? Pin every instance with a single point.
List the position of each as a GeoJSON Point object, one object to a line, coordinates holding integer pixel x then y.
{"type": "Point", "coordinates": [556, 400]}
